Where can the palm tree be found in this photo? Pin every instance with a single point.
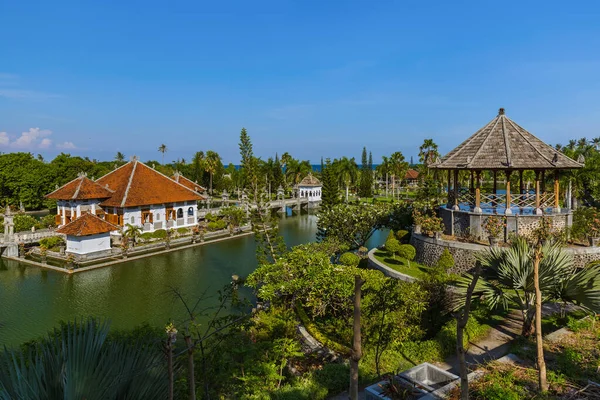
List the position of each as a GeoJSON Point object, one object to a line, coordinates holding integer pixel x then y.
{"type": "Point", "coordinates": [132, 232]}
{"type": "Point", "coordinates": [572, 144]}
{"type": "Point", "coordinates": [212, 161]}
{"type": "Point", "coordinates": [347, 172]}
{"type": "Point", "coordinates": [596, 142]}
{"type": "Point", "coordinates": [398, 167]}
{"type": "Point", "coordinates": [297, 170]}
{"type": "Point", "coordinates": [163, 149]}
{"type": "Point", "coordinates": [428, 152]}
{"type": "Point", "coordinates": [120, 157]}
{"type": "Point", "coordinates": [79, 361]}
{"type": "Point", "coordinates": [198, 166]}
{"type": "Point", "coordinates": [384, 170]}
{"type": "Point", "coordinates": [285, 159]}
{"type": "Point", "coordinates": [508, 278]}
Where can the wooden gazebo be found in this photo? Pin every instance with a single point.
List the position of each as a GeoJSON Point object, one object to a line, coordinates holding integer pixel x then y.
{"type": "Point", "coordinates": [503, 145]}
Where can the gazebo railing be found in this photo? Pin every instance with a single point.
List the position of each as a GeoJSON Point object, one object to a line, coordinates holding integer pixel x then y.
{"type": "Point", "coordinates": [520, 201]}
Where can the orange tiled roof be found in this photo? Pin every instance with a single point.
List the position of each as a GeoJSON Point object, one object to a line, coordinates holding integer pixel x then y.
{"type": "Point", "coordinates": [411, 174]}
{"type": "Point", "coordinates": [87, 224]}
{"type": "Point", "coordinates": [80, 188]}
{"type": "Point", "coordinates": [136, 184]}
{"type": "Point", "coordinates": [188, 183]}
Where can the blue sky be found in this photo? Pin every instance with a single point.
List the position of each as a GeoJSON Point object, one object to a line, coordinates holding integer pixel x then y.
{"type": "Point", "coordinates": [314, 78]}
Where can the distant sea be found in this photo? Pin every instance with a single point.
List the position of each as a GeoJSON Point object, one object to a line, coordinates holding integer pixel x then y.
{"type": "Point", "coordinates": [317, 167]}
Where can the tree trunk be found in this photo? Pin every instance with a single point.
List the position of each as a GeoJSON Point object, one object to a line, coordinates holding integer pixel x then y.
{"type": "Point", "coordinates": [461, 324]}
{"type": "Point", "coordinates": [387, 181]}
{"type": "Point", "coordinates": [356, 340]}
{"type": "Point", "coordinates": [346, 192]}
{"type": "Point", "coordinates": [538, 321]}
{"type": "Point", "coordinates": [528, 328]}
{"type": "Point", "coordinates": [211, 191]}
{"type": "Point", "coordinates": [191, 376]}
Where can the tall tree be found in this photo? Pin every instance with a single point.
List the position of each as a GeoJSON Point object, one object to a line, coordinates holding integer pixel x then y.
{"type": "Point", "coordinates": [398, 168]}
{"type": "Point", "coordinates": [384, 170]}
{"type": "Point", "coordinates": [365, 176]}
{"type": "Point", "coordinates": [163, 149]}
{"type": "Point", "coordinates": [330, 194]}
{"type": "Point", "coordinates": [198, 166]}
{"type": "Point", "coordinates": [428, 154]}
{"type": "Point", "coordinates": [249, 164]}
{"type": "Point", "coordinates": [371, 174]}
{"type": "Point", "coordinates": [346, 171]}
{"type": "Point", "coordinates": [119, 157]}
{"type": "Point", "coordinates": [277, 173]}
{"type": "Point", "coordinates": [212, 162]}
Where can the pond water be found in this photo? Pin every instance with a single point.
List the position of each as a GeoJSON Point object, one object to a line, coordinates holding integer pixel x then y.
{"type": "Point", "coordinates": [34, 300]}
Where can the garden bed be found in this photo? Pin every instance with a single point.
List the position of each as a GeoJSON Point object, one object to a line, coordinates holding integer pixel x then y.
{"type": "Point", "coordinates": [401, 265]}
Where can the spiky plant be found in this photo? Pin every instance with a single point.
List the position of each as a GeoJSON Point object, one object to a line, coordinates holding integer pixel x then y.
{"type": "Point", "coordinates": [507, 278]}
{"type": "Point", "coordinates": [77, 361]}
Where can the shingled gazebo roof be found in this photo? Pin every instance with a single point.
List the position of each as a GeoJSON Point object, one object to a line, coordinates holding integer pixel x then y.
{"type": "Point", "coordinates": [310, 180]}
{"type": "Point", "coordinates": [503, 144]}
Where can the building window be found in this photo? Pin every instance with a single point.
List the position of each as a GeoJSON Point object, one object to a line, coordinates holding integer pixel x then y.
{"type": "Point", "coordinates": [158, 216]}
{"type": "Point", "coordinates": [190, 212]}
{"type": "Point", "coordinates": [180, 213]}
{"type": "Point", "coordinates": [132, 220]}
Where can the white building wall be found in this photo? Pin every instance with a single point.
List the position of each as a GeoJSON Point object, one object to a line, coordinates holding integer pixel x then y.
{"type": "Point", "coordinates": [88, 244]}
{"type": "Point", "coordinates": [312, 192]}
{"type": "Point", "coordinates": [133, 216]}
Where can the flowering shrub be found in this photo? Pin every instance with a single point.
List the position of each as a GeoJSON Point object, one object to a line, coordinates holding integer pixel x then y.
{"type": "Point", "coordinates": [417, 217]}
{"type": "Point", "coordinates": [494, 225]}
{"type": "Point", "coordinates": [431, 224]}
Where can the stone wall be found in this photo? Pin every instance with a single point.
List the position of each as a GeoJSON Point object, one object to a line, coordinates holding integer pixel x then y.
{"type": "Point", "coordinates": [430, 249]}
{"type": "Point", "coordinates": [467, 223]}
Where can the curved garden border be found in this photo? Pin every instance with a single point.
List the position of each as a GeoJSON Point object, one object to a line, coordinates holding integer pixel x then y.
{"type": "Point", "coordinates": [387, 271]}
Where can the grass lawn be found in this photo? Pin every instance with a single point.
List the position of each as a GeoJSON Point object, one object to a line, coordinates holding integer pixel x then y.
{"type": "Point", "coordinates": [415, 269]}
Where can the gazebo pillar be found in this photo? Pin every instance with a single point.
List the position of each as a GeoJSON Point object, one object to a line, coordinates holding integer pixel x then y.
{"type": "Point", "coordinates": [456, 207]}
{"type": "Point", "coordinates": [508, 211]}
{"type": "Point", "coordinates": [538, 210]}
{"type": "Point", "coordinates": [449, 188]}
{"type": "Point", "coordinates": [556, 192]}
{"type": "Point", "coordinates": [495, 191]}
{"type": "Point", "coordinates": [521, 189]}
{"type": "Point", "coordinates": [477, 208]}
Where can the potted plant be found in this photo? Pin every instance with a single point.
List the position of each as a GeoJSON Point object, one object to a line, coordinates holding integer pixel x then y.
{"type": "Point", "coordinates": [417, 221]}
{"type": "Point", "coordinates": [594, 229]}
{"type": "Point", "coordinates": [431, 224]}
{"type": "Point", "coordinates": [494, 226]}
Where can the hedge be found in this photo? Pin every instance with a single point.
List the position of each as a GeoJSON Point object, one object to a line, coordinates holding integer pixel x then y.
{"type": "Point", "coordinates": [314, 331]}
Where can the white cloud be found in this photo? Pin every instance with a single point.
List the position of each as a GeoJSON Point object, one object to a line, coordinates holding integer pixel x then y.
{"type": "Point", "coordinates": [45, 143]}
{"type": "Point", "coordinates": [32, 138]}
{"type": "Point", "coordinates": [66, 145]}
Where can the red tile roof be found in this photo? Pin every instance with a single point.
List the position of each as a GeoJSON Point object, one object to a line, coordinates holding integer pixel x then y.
{"type": "Point", "coordinates": [136, 184]}
{"type": "Point", "coordinates": [411, 174]}
{"type": "Point", "coordinates": [87, 224]}
{"type": "Point", "coordinates": [80, 188]}
{"type": "Point", "coordinates": [188, 183]}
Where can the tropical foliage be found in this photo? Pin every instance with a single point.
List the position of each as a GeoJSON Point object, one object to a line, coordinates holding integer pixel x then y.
{"type": "Point", "coordinates": [507, 279]}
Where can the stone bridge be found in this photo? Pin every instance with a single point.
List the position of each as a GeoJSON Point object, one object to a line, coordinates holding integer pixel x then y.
{"type": "Point", "coordinates": [279, 205]}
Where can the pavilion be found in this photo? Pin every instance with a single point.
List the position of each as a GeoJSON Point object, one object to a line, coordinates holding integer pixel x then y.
{"type": "Point", "coordinates": [502, 146]}
{"type": "Point", "coordinates": [310, 187]}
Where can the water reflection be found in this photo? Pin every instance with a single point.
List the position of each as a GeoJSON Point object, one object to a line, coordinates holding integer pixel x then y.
{"type": "Point", "coordinates": [34, 300]}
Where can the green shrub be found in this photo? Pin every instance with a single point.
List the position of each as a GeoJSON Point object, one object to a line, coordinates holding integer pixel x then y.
{"type": "Point", "coordinates": [392, 245]}
{"type": "Point", "coordinates": [390, 235]}
{"type": "Point", "coordinates": [52, 242]}
{"type": "Point", "coordinates": [402, 236]}
{"type": "Point", "coordinates": [24, 222]}
{"type": "Point", "coordinates": [333, 376]}
{"type": "Point", "coordinates": [349, 259]}
{"type": "Point", "coordinates": [159, 234]}
{"type": "Point", "coordinates": [446, 337]}
{"type": "Point", "coordinates": [216, 225]}
{"type": "Point", "coordinates": [47, 221]}
{"type": "Point", "coordinates": [146, 236]}
{"type": "Point", "coordinates": [314, 331]}
{"type": "Point", "coordinates": [446, 261]}
{"type": "Point", "coordinates": [421, 351]}
{"type": "Point", "coordinates": [183, 231]}
{"type": "Point", "coordinates": [408, 252]}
